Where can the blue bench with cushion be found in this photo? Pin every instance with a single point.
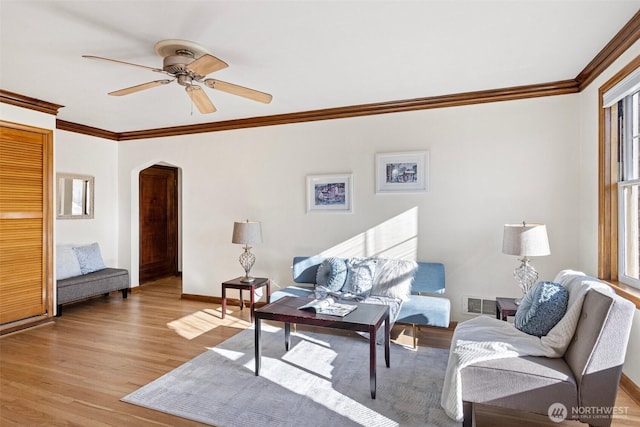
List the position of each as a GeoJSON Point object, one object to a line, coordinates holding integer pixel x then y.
{"type": "Point", "coordinates": [424, 306]}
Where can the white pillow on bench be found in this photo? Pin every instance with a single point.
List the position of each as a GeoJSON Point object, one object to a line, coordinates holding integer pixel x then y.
{"type": "Point", "coordinates": [67, 264]}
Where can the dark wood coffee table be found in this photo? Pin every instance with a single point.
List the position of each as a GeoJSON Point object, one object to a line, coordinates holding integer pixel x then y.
{"type": "Point", "coordinates": [365, 318]}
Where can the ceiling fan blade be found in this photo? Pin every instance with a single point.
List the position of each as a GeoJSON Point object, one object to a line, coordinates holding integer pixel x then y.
{"type": "Point", "coordinates": [138, 88]}
{"type": "Point", "coordinates": [200, 98]}
{"type": "Point", "coordinates": [158, 70]}
{"type": "Point", "coordinates": [206, 64]}
{"type": "Point", "coordinates": [239, 90]}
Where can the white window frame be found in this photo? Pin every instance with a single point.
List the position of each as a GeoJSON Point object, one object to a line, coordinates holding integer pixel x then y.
{"type": "Point", "coordinates": [623, 184]}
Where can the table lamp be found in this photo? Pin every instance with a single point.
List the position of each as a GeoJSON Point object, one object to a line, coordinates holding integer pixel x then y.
{"type": "Point", "coordinates": [525, 240]}
{"type": "Point", "coordinates": [247, 233]}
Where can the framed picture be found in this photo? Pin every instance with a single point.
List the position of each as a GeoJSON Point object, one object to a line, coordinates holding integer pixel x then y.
{"type": "Point", "coordinates": [330, 193]}
{"type": "Point", "coordinates": [402, 172]}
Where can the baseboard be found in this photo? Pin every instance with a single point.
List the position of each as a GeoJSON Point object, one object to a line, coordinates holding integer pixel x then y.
{"type": "Point", "coordinates": [204, 298]}
{"type": "Point", "coordinates": [218, 300]}
{"type": "Point", "coordinates": [630, 388]}
{"type": "Point", "coordinates": [20, 326]}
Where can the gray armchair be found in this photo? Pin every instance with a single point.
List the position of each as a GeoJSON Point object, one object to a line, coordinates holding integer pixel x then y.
{"type": "Point", "coordinates": [585, 380]}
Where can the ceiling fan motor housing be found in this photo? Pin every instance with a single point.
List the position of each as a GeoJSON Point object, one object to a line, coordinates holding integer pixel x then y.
{"type": "Point", "coordinates": [177, 64]}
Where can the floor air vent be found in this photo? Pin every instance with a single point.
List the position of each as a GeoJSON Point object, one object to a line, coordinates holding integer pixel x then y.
{"type": "Point", "coordinates": [478, 305]}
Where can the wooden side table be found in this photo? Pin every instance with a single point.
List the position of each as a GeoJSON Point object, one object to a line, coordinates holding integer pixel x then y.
{"type": "Point", "coordinates": [236, 283]}
{"type": "Point", "coordinates": [505, 307]}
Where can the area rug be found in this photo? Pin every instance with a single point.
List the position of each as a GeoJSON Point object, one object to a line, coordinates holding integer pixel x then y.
{"type": "Point", "coordinates": [323, 380]}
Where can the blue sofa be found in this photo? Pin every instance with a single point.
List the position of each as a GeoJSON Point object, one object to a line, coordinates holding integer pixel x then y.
{"type": "Point", "coordinates": [425, 306]}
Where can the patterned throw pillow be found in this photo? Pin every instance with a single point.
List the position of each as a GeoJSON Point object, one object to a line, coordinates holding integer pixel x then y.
{"type": "Point", "coordinates": [361, 272]}
{"type": "Point", "coordinates": [89, 258]}
{"type": "Point", "coordinates": [541, 308]}
{"type": "Point", "coordinates": [332, 273]}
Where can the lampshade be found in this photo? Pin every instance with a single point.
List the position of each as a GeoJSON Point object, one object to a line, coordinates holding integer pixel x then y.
{"type": "Point", "coordinates": [247, 232]}
{"type": "Point", "coordinates": [525, 240]}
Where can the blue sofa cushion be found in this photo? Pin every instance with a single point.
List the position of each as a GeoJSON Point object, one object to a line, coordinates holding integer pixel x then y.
{"type": "Point", "coordinates": [425, 310]}
{"type": "Point", "coordinates": [292, 291]}
{"type": "Point", "coordinates": [541, 308]}
{"type": "Point", "coordinates": [360, 276]}
{"type": "Point", "coordinates": [332, 274]}
{"type": "Point", "coordinates": [429, 278]}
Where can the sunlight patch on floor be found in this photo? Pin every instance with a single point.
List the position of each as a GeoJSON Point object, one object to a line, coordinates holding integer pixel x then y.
{"type": "Point", "coordinates": [203, 321]}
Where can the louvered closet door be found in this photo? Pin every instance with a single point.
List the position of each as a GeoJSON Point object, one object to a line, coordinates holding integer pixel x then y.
{"type": "Point", "coordinates": [25, 222]}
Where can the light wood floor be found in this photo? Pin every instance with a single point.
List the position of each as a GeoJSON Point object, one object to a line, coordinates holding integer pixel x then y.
{"type": "Point", "coordinates": [74, 372]}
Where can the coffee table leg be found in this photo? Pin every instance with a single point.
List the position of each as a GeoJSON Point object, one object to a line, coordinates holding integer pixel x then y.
{"type": "Point", "coordinates": [241, 300]}
{"type": "Point", "coordinates": [224, 300]}
{"type": "Point", "coordinates": [251, 301]}
{"type": "Point", "coordinates": [387, 332]}
{"type": "Point", "coordinates": [287, 336]}
{"type": "Point", "coordinates": [372, 360]}
{"type": "Point", "coordinates": [258, 350]}
{"type": "Point", "coordinates": [268, 291]}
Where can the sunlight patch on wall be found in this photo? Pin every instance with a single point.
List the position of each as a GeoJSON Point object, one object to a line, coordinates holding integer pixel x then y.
{"type": "Point", "coordinates": [397, 237]}
{"type": "Point", "coordinates": [201, 322]}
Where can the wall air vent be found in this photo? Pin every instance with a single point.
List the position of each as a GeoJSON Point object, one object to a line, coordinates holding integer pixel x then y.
{"type": "Point", "coordinates": [478, 306]}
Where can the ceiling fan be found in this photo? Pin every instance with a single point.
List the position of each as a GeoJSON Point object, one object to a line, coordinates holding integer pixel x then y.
{"type": "Point", "coordinates": [189, 63]}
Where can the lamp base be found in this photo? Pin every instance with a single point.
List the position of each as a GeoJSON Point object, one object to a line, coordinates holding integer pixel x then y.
{"type": "Point", "coordinates": [246, 261]}
{"type": "Point", "coordinates": [525, 275]}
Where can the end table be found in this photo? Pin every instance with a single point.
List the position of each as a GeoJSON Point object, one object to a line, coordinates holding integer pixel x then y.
{"type": "Point", "coordinates": [505, 307]}
{"type": "Point", "coordinates": [237, 283]}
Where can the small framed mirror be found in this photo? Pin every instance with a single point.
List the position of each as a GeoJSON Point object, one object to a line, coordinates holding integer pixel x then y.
{"type": "Point", "coordinates": [74, 196]}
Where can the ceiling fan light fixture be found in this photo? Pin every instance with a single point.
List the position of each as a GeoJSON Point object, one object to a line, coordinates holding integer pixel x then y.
{"type": "Point", "coordinates": [184, 80]}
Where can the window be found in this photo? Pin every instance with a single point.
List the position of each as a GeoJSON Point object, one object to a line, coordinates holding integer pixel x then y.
{"type": "Point", "coordinates": [619, 178]}
{"type": "Point", "coordinates": [628, 189]}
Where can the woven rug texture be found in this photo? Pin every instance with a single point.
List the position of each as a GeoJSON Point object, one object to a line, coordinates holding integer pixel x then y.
{"type": "Point", "coordinates": [323, 380]}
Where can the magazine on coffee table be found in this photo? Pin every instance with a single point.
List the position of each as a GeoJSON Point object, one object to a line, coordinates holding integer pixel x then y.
{"type": "Point", "coordinates": [329, 306]}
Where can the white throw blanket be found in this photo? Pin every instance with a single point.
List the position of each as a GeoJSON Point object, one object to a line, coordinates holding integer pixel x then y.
{"type": "Point", "coordinates": [484, 338]}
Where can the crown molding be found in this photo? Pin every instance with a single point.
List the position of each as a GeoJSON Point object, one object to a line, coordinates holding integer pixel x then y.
{"type": "Point", "coordinates": [627, 36]}
{"type": "Point", "coordinates": [86, 130]}
{"type": "Point", "coordinates": [23, 101]}
{"type": "Point", "coordinates": [467, 98]}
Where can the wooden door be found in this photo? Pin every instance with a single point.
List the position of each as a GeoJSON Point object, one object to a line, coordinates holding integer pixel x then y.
{"type": "Point", "coordinates": [26, 224]}
{"type": "Point", "coordinates": [158, 223]}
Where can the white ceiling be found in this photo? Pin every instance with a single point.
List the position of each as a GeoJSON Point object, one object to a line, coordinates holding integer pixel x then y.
{"type": "Point", "coordinates": [308, 54]}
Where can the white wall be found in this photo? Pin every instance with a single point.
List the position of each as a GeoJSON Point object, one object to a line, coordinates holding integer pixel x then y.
{"type": "Point", "coordinates": [588, 229]}
{"type": "Point", "coordinates": [11, 113]}
{"type": "Point", "coordinates": [490, 164]}
{"type": "Point", "coordinates": [87, 155]}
